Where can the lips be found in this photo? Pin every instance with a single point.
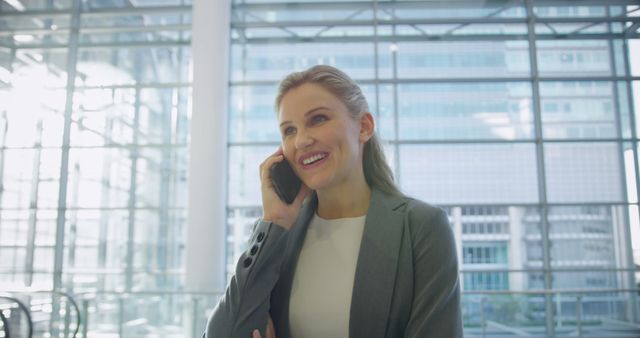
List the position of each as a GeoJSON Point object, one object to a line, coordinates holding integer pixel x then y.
{"type": "Point", "coordinates": [312, 159]}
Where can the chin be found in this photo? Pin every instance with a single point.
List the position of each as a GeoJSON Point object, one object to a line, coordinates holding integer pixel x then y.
{"type": "Point", "coordinates": [316, 183]}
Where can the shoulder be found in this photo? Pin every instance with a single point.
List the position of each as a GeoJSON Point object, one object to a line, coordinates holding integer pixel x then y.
{"type": "Point", "coordinates": [430, 233]}
{"type": "Point", "coordinates": [426, 221]}
{"type": "Point", "coordinates": [420, 217]}
{"type": "Point", "coordinates": [423, 214]}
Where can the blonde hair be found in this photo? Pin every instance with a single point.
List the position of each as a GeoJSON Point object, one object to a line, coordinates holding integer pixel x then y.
{"type": "Point", "coordinates": [377, 172]}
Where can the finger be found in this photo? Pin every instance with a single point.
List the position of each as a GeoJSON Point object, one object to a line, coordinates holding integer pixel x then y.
{"type": "Point", "coordinates": [265, 172]}
{"type": "Point", "coordinates": [271, 332]}
{"type": "Point", "coordinates": [278, 151]}
{"type": "Point", "coordinates": [256, 334]}
{"type": "Point", "coordinates": [269, 159]}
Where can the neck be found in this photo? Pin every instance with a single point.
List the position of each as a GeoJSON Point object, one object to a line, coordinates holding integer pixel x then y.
{"type": "Point", "coordinates": [346, 200]}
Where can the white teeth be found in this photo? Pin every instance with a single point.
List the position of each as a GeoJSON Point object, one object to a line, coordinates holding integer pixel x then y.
{"type": "Point", "coordinates": [313, 159]}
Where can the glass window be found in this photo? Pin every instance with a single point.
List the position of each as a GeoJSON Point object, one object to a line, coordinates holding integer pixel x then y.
{"type": "Point", "coordinates": [121, 169]}
{"type": "Point", "coordinates": [485, 253]}
{"type": "Point", "coordinates": [469, 173]}
{"type": "Point", "coordinates": [453, 111]}
{"type": "Point", "coordinates": [583, 172]}
{"type": "Point", "coordinates": [529, 156]}
{"type": "Point", "coordinates": [532, 157]}
{"type": "Point", "coordinates": [587, 110]}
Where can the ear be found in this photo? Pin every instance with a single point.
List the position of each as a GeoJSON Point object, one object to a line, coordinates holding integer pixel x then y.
{"type": "Point", "coordinates": [367, 127]}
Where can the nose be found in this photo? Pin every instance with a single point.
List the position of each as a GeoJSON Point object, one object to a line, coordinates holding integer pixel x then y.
{"type": "Point", "coordinates": [303, 140]}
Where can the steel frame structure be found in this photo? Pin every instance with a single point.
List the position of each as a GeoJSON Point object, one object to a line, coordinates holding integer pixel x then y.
{"type": "Point", "coordinates": [65, 229]}
{"type": "Point", "coordinates": [530, 21]}
{"type": "Point", "coordinates": [245, 21]}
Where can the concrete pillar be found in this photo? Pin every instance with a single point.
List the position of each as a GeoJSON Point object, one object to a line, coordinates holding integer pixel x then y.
{"type": "Point", "coordinates": [206, 227]}
{"type": "Point", "coordinates": [208, 147]}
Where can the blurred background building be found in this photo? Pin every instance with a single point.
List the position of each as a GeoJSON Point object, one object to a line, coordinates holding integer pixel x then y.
{"type": "Point", "coordinates": [518, 117]}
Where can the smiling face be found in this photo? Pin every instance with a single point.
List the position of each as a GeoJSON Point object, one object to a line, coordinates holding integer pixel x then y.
{"type": "Point", "coordinates": [320, 138]}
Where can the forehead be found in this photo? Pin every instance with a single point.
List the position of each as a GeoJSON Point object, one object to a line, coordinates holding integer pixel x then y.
{"type": "Point", "coordinates": [305, 97]}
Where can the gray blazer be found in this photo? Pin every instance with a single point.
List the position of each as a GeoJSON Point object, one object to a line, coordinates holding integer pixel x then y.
{"type": "Point", "coordinates": [406, 282]}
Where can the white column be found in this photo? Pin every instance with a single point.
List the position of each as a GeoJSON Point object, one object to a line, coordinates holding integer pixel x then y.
{"type": "Point", "coordinates": [516, 248]}
{"type": "Point", "coordinates": [624, 259]}
{"type": "Point", "coordinates": [205, 247]}
{"type": "Point", "coordinates": [456, 220]}
{"type": "Point", "coordinates": [206, 226]}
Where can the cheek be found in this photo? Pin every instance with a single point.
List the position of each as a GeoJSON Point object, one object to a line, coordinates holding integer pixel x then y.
{"type": "Point", "coordinates": [287, 149]}
{"type": "Point", "coordinates": [351, 139]}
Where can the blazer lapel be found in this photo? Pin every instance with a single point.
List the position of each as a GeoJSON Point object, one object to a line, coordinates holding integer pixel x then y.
{"type": "Point", "coordinates": [282, 291]}
{"type": "Point", "coordinates": [377, 265]}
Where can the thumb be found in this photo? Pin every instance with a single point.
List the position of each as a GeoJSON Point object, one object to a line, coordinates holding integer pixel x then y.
{"type": "Point", "coordinates": [256, 334]}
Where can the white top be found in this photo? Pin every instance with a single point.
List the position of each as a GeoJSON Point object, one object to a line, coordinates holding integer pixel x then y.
{"type": "Point", "coordinates": [323, 281]}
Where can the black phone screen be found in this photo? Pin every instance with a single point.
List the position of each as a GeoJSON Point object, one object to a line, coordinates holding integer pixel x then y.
{"type": "Point", "coordinates": [286, 182]}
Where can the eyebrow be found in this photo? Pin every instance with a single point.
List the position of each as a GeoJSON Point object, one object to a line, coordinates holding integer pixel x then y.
{"type": "Point", "coordinates": [307, 113]}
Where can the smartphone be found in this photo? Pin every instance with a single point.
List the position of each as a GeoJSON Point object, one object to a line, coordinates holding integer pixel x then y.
{"type": "Point", "coordinates": [286, 182]}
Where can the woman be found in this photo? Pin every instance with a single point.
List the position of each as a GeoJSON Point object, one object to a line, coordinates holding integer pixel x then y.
{"type": "Point", "coordinates": [351, 256]}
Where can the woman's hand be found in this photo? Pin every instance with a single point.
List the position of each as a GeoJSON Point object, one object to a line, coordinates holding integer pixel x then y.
{"type": "Point", "coordinates": [271, 332]}
{"type": "Point", "coordinates": [273, 208]}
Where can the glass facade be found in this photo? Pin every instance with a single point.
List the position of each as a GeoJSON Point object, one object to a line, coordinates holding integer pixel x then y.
{"type": "Point", "coordinates": [95, 101]}
{"type": "Point", "coordinates": [517, 117]}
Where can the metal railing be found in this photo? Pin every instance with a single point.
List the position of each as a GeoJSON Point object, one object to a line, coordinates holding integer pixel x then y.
{"type": "Point", "coordinates": [576, 324]}
{"type": "Point", "coordinates": [132, 314]}
{"type": "Point", "coordinates": [5, 325]}
{"type": "Point", "coordinates": [499, 313]}
{"type": "Point", "coordinates": [14, 303]}
{"type": "Point", "coordinates": [45, 316]}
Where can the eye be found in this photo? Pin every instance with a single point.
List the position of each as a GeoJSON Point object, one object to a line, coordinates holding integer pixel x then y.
{"type": "Point", "coordinates": [288, 131]}
{"type": "Point", "coordinates": [318, 119]}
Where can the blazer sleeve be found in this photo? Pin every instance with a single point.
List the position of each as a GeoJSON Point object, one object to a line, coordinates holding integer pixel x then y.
{"type": "Point", "coordinates": [435, 310]}
{"type": "Point", "coordinates": [245, 305]}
